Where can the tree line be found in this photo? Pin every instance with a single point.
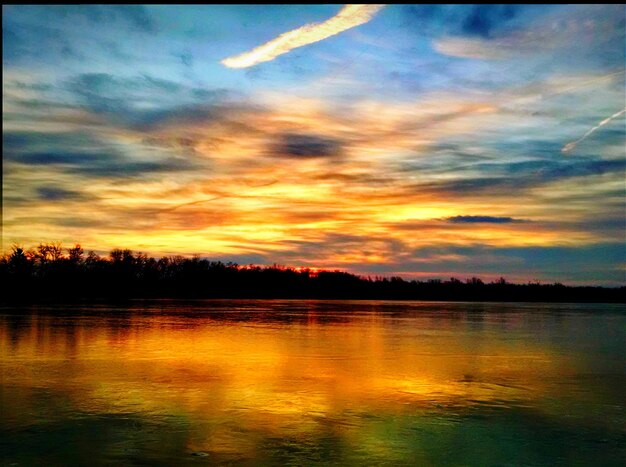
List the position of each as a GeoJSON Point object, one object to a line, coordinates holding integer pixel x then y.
{"type": "Point", "coordinates": [51, 272]}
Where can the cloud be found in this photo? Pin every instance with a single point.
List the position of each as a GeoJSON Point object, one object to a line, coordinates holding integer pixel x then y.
{"type": "Point", "coordinates": [480, 49]}
{"type": "Point", "coordinates": [20, 43]}
{"type": "Point", "coordinates": [51, 193]}
{"type": "Point", "coordinates": [481, 220]}
{"type": "Point", "coordinates": [501, 178]}
{"type": "Point", "coordinates": [483, 18]}
{"type": "Point", "coordinates": [126, 169]}
{"type": "Point", "coordinates": [135, 16]}
{"type": "Point", "coordinates": [596, 25]}
{"type": "Point", "coordinates": [301, 145]}
{"type": "Point", "coordinates": [122, 100]}
{"type": "Point", "coordinates": [100, 164]}
{"type": "Point", "coordinates": [98, 100]}
{"type": "Point", "coordinates": [52, 158]}
{"type": "Point", "coordinates": [12, 44]}
{"type": "Point", "coordinates": [348, 17]}
{"type": "Point", "coordinates": [71, 33]}
{"type": "Point", "coordinates": [473, 20]}
{"type": "Point", "coordinates": [186, 58]}
{"type": "Point", "coordinates": [103, 92]}
{"type": "Point", "coordinates": [77, 153]}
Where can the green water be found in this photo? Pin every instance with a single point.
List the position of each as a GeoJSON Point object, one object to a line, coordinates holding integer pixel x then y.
{"type": "Point", "coordinates": [294, 382]}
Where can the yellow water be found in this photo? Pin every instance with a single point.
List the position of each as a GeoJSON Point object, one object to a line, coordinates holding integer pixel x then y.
{"type": "Point", "coordinates": [302, 382]}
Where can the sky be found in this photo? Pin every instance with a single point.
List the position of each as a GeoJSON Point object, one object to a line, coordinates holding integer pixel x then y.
{"type": "Point", "coordinates": [425, 141]}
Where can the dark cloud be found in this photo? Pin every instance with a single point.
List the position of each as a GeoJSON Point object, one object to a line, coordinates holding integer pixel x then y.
{"type": "Point", "coordinates": [54, 33]}
{"type": "Point", "coordinates": [481, 220]}
{"type": "Point", "coordinates": [100, 164]}
{"type": "Point", "coordinates": [79, 154]}
{"type": "Point", "coordinates": [30, 86]}
{"type": "Point", "coordinates": [136, 17]}
{"type": "Point", "coordinates": [186, 58]}
{"type": "Point", "coordinates": [53, 158]}
{"type": "Point", "coordinates": [17, 143]}
{"type": "Point", "coordinates": [162, 84]}
{"type": "Point", "coordinates": [608, 223]}
{"type": "Point", "coordinates": [146, 120]}
{"type": "Point", "coordinates": [305, 146]}
{"type": "Point", "coordinates": [209, 94]}
{"type": "Point", "coordinates": [545, 171]}
{"type": "Point", "coordinates": [20, 43]}
{"type": "Point", "coordinates": [52, 193]}
{"type": "Point", "coordinates": [124, 168]}
{"type": "Point", "coordinates": [499, 177]}
{"type": "Point", "coordinates": [115, 51]}
{"type": "Point", "coordinates": [472, 20]}
{"type": "Point", "coordinates": [582, 168]}
{"type": "Point", "coordinates": [482, 19]}
{"type": "Point", "coordinates": [103, 92]}
{"type": "Point", "coordinates": [50, 34]}
{"type": "Point", "coordinates": [121, 100]}
{"type": "Point", "coordinates": [100, 83]}
{"type": "Point", "coordinates": [100, 92]}
{"type": "Point", "coordinates": [11, 43]}
{"type": "Point", "coordinates": [472, 185]}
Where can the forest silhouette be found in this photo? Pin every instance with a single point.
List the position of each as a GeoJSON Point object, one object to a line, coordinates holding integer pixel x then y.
{"type": "Point", "coordinates": [50, 272]}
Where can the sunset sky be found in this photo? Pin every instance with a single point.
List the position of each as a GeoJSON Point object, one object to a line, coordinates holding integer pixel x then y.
{"type": "Point", "coordinates": [424, 141]}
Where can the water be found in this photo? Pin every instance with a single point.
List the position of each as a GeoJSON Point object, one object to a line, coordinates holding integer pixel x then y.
{"type": "Point", "coordinates": [289, 382]}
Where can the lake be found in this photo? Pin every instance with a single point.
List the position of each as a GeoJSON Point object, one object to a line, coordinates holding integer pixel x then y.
{"type": "Point", "coordinates": [300, 382]}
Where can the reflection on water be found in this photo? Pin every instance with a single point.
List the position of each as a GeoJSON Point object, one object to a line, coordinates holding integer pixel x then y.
{"type": "Point", "coordinates": [300, 382]}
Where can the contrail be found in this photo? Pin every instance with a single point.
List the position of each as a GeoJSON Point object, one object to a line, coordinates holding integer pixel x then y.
{"type": "Point", "coordinates": [569, 146]}
{"type": "Point", "coordinates": [585, 83]}
{"type": "Point", "coordinates": [348, 17]}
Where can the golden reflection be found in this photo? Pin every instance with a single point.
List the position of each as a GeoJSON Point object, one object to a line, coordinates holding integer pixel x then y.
{"type": "Point", "coordinates": [242, 381]}
{"type": "Point", "coordinates": [268, 369]}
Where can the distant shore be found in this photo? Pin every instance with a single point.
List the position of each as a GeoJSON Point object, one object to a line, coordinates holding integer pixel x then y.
{"type": "Point", "coordinates": [51, 273]}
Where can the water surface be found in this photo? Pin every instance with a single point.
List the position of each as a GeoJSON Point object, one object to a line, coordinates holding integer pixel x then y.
{"type": "Point", "coordinates": [297, 382]}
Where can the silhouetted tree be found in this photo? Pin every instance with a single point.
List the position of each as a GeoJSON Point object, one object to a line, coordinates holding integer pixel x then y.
{"type": "Point", "coordinates": [92, 258]}
{"type": "Point", "coordinates": [474, 281]}
{"type": "Point", "coordinates": [46, 273]}
{"type": "Point", "coordinates": [20, 262]}
{"type": "Point", "coordinates": [75, 255]}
